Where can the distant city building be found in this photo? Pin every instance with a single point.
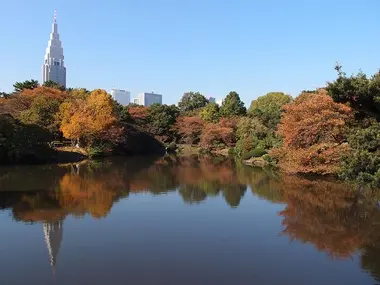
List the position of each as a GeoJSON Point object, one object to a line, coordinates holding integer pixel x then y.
{"type": "Point", "coordinates": [123, 97]}
{"type": "Point", "coordinates": [219, 102]}
{"type": "Point", "coordinates": [54, 67]}
{"type": "Point", "coordinates": [147, 99]}
{"type": "Point", "coordinates": [212, 100]}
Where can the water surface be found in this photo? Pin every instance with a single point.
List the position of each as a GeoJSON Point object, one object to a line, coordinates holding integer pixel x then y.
{"type": "Point", "coordinates": [182, 221]}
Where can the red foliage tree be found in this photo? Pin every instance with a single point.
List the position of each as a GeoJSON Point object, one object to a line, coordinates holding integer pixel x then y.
{"type": "Point", "coordinates": [313, 132]}
{"type": "Point", "coordinates": [218, 135]}
{"type": "Point", "coordinates": [189, 129]}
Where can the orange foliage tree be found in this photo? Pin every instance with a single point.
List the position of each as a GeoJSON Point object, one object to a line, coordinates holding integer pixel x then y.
{"type": "Point", "coordinates": [313, 132]}
{"type": "Point", "coordinates": [189, 129]}
{"type": "Point", "coordinates": [94, 118]}
{"type": "Point", "coordinates": [218, 135]}
{"type": "Point", "coordinates": [23, 100]}
{"type": "Point", "coordinates": [139, 114]}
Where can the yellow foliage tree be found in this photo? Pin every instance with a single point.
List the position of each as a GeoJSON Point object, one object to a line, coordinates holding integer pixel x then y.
{"type": "Point", "coordinates": [89, 119]}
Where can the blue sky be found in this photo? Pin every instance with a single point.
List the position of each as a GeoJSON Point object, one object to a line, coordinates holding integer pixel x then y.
{"type": "Point", "coordinates": [174, 46]}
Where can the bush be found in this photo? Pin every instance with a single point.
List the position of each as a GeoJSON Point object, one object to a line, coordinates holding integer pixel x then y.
{"type": "Point", "coordinates": [362, 167]}
{"type": "Point", "coordinates": [258, 152]}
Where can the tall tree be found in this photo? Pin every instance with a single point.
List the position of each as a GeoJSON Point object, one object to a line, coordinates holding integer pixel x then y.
{"type": "Point", "coordinates": [191, 101]}
{"type": "Point", "coordinates": [232, 106]}
{"type": "Point", "coordinates": [91, 120]}
{"type": "Point", "coordinates": [362, 93]}
{"type": "Point", "coordinates": [313, 129]}
{"type": "Point", "coordinates": [28, 84]}
{"type": "Point", "coordinates": [162, 118]}
{"type": "Point", "coordinates": [210, 113]}
{"type": "Point", "coordinates": [268, 108]}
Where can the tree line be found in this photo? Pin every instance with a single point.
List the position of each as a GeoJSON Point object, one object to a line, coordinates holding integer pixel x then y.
{"type": "Point", "coordinates": [332, 130]}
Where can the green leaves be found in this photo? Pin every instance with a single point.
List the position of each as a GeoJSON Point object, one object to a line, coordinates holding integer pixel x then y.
{"type": "Point", "coordinates": [268, 108]}
{"type": "Point", "coordinates": [232, 106]}
{"type": "Point", "coordinates": [28, 84]}
{"type": "Point", "coordinates": [210, 113]}
{"type": "Point", "coordinates": [191, 101]}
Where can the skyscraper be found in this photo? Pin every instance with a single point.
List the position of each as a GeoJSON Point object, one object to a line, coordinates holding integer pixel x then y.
{"type": "Point", "coordinates": [121, 96]}
{"type": "Point", "coordinates": [147, 99]}
{"type": "Point", "coordinates": [54, 67]}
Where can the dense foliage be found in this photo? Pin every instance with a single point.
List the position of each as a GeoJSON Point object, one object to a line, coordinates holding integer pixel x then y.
{"type": "Point", "coordinates": [325, 131]}
{"type": "Point", "coordinates": [191, 101]}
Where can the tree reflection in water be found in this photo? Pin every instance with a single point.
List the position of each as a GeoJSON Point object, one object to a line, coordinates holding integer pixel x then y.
{"type": "Point", "coordinates": [329, 215]}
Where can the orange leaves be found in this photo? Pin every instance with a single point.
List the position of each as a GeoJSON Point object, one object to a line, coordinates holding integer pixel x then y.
{"type": "Point", "coordinates": [218, 134]}
{"type": "Point", "coordinates": [90, 119]}
{"type": "Point", "coordinates": [190, 129]}
{"type": "Point", "coordinates": [313, 132]}
{"type": "Point", "coordinates": [313, 118]}
{"type": "Point", "coordinates": [138, 112]}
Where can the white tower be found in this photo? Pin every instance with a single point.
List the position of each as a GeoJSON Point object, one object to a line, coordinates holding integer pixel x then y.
{"type": "Point", "coordinates": [54, 67]}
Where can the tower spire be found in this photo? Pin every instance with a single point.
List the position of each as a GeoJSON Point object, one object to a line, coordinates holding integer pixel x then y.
{"type": "Point", "coordinates": [55, 16]}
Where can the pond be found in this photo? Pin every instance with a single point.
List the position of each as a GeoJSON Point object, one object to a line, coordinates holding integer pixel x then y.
{"type": "Point", "coordinates": [182, 220]}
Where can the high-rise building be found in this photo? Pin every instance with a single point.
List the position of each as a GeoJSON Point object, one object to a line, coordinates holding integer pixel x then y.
{"type": "Point", "coordinates": [212, 100]}
{"type": "Point", "coordinates": [121, 96]}
{"type": "Point", "coordinates": [54, 67]}
{"type": "Point", "coordinates": [147, 99]}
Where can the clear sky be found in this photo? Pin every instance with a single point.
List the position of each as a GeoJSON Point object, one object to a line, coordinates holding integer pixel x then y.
{"type": "Point", "coordinates": [174, 46]}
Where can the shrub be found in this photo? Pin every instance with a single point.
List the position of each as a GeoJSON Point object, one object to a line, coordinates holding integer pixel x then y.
{"type": "Point", "coordinates": [363, 167]}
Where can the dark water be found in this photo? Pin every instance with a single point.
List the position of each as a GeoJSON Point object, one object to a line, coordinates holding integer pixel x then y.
{"type": "Point", "coordinates": [182, 221]}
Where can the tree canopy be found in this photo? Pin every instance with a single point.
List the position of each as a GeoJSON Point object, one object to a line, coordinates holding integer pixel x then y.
{"type": "Point", "coordinates": [53, 84]}
{"type": "Point", "coordinates": [232, 106]}
{"type": "Point", "coordinates": [362, 93]}
{"type": "Point", "coordinates": [268, 108]}
{"type": "Point", "coordinates": [191, 101]}
{"type": "Point", "coordinates": [28, 84]}
{"type": "Point", "coordinates": [210, 113]}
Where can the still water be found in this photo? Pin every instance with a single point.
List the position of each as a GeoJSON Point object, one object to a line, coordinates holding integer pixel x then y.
{"type": "Point", "coordinates": [182, 221]}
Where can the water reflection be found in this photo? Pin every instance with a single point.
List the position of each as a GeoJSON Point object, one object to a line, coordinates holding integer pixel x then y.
{"type": "Point", "coordinates": [329, 215]}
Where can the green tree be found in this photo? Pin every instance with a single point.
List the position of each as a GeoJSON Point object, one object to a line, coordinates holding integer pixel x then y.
{"type": "Point", "coordinates": [162, 118]}
{"type": "Point", "coordinates": [210, 113]}
{"type": "Point", "coordinates": [362, 93]}
{"type": "Point", "coordinates": [232, 106]}
{"type": "Point", "coordinates": [42, 112]}
{"type": "Point", "coordinates": [53, 84]}
{"type": "Point", "coordinates": [268, 108]}
{"type": "Point", "coordinates": [191, 101]}
{"type": "Point", "coordinates": [28, 84]}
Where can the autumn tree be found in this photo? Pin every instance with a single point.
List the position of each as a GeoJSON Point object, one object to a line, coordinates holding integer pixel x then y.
{"type": "Point", "coordinates": [91, 120]}
{"type": "Point", "coordinates": [218, 135]}
{"type": "Point", "coordinates": [232, 106]}
{"type": "Point", "coordinates": [313, 129]}
{"type": "Point", "coordinates": [189, 129]}
{"type": "Point", "coordinates": [28, 84]}
{"type": "Point", "coordinates": [268, 108]}
{"type": "Point", "coordinates": [35, 106]}
{"type": "Point", "coordinates": [210, 113]}
{"type": "Point", "coordinates": [78, 93]}
{"type": "Point", "coordinates": [191, 101]}
{"type": "Point", "coordinates": [139, 115]}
